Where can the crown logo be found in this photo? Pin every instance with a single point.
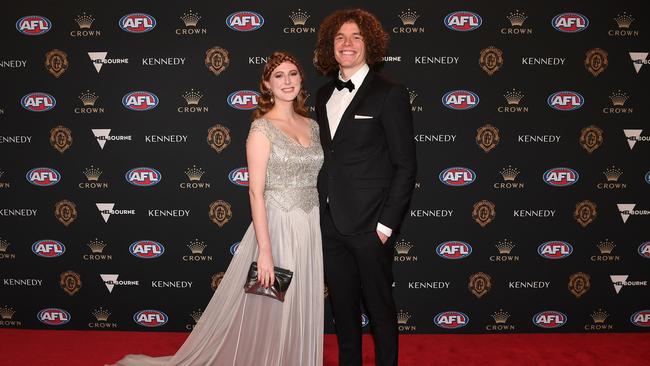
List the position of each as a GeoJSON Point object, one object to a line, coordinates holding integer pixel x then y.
{"type": "Point", "coordinates": [101, 314]}
{"type": "Point", "coordinates": [517, 18]}
{"type": "Point", "coordinates": [412, 95]}
{"type": "Point", "coordinates": [509, 174]}
{"type": "Point", "coordinates": [599, 316]}
{"type": "Point", "coordinates": [403, 247]}
{"type": "Point", "coordinates": [92, 173]}
{"type": "Point", "coordinates": [618, 98]}
{"type": "Point", "coordinates": [194, 173]}
{"type": "Point", "coordinates": [196, 315]}
{"type": "Point", "coordinates": [4, 245]}
{"type": "Point", "coordinates": [606, 246]}
{"type": "Point", "coordinates": [403, 317]}
{"type": "Point", "coordinates": [190, 19]}
{"type": "Point", "coordinates": [624, 20]}
{"type": "Point", "coordinates": [299, 17]}
{"type": "Point", "coordinates": [505, 246]}
{"type": "Point", "coordinates": [513, 97]}
{"type": "Point", "coordinates": [7, 312]}
{"type": "Point", "coordinates": [192, 97]}
{"type": "Point", "coordinates": [84, 21]}
{"type": "Point", "coordinates": [500, 317]}
{"type": "Point", "coordinates": [96, 246]}
{"type": "Point", "coordinates": [196, 246]}
{"type": "Point", "coordinates": [88, 98]}
{"type": "Point", "coordinates": [408, 17]}
{"type": "Point", "coordinates": [613, 174]}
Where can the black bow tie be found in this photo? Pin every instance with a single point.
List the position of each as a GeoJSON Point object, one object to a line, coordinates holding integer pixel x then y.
{"type": "Point", "coordinates": [340, 84]}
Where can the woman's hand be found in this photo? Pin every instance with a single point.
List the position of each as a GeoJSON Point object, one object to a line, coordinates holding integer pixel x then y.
{"type": "Point", "coordinates": [265, 273]}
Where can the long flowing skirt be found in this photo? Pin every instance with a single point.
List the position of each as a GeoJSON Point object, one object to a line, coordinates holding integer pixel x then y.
{"type": "Point", "coordinates": [244, 329]}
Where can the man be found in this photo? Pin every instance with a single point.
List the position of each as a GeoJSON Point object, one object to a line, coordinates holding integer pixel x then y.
{"type": "Point", "coordinates": [366, 181]}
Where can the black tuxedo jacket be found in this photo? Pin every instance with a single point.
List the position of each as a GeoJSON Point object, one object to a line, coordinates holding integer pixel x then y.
{"type": "Point", "coordinates": [369, 169]}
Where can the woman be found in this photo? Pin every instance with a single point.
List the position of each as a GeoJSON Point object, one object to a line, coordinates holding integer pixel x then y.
{"type": "Point", "coordinates": [284, 156]}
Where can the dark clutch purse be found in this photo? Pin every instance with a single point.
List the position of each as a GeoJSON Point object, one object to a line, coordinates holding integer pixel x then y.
{"type": "Point", "coordinates": [279, 288]}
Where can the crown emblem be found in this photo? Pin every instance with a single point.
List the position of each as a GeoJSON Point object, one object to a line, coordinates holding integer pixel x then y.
{"type": "Point", "coordinates": [196, 315]}
{"type": "Point", "coordinates": [192, 97]}
{"type": "Point", "coordinates": [88, 98]}
{"type": "Point", "coordinates": [509, 174]}
{"type": "Point", "coordinates": [403, 247]}
{"type": "Point", "coordinates": [190, 19]}
{"type": "Point", "coordinates": [1, 173]}
{"type": "Point", "coordinates": [299, 17]}
{"type": "Point", "coordinates": [92, 173]}
{"type": "Point", "coordinates": [412, 95]}
{"type": "Point", "coordinates": [3, 245]}
{"type": "Point", "coordinates": [613, 174]}
{"type": "Point", "coordinates": [618, 98]}
{"type": "Point", "coordinates": [624, 20]}
{"type": "Point", "coordinates": [505, 246]}
{"type": "Point", "coordinates": [606, 246]}
{"type": "Point", "coordinates": [517, 18]}
{"type": "Point", "coordinates": [101, 314]}
{"type": "Point", "coordinates": [84, 21]}
{"type": "Point", "coordinates": [500, 317]}
{"type": "Point", "coordinates": [513, 97]}
{"type": "Point", "coordinates": [196, 246]}
{"type": "Point", "coordinates": [7, 312]}
{"type": "Point", "coordinates": [96, 246]}
{"type": "Point", "coordinates": [403, 317]}
{"type": "Point", "coordinates": [194, 173]}
{"type": "Point", "coordinates": [408, 17]}
{"type": "Point", "coordinates": [599, 316]}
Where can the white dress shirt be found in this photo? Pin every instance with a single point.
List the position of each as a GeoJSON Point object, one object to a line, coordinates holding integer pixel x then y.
{"type": "Point", "coordinates": [336, 106]}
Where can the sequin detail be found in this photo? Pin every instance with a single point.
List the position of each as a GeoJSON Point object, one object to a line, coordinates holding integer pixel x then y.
{"type": "Point", "coordinates": [292, 170]}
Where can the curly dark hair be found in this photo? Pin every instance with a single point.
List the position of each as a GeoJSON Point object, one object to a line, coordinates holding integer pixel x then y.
{"type": "Point", "coordinates": [265, 101]}
{"type": "Point", "coordinates": [374, 36]}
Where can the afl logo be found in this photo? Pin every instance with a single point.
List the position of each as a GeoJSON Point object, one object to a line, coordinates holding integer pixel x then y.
{"type": "Point", "coordinates": [453, 250]}
{"type": "Point", "coordinates": [560, 177]}
{"type": "Point", "coordinates": [244, 21]}
{"type": "Point", "coordinates": [243, 99]}
{"type": "Point", "coordinates": [234, 247]}
{"type": "Point", "coordinates": [150, 318]}
{"type": "Point", "coordinates": [364, 320]}
{"type": "Point", "coordinates": [460, 100]}
{"type": "Point", "coordinates": [644, 249]}
{"type": "Point", "coordinates": [33, 25]}
{"type": "Point", "coordinates": [239, 176]}
{"type": "Point", "coordinates": [555, 249]}
{"type": "Point", "coordinates": [146, 249]}
{"type": "Point", "coordinates": [457, 176]}
{"type": "Point", "coordinates": [641, 318]}
{"type": "Point", "coordinates": [53, 316]}
{"type": "Point", "coordinates": [463, 21]}
{"type": "Point", "coordinates": [137, 23]}
{"type": "Point", "coordinates": [43, 177]}
{"type": "Point", "coordinates": [451, 319]}
{"type": "Point", "coordinates": [48, 248]}
{"type": "Point", "coordinates": [565, 101]}
{"type": "Point", "coordinates": [570, 22]}
{"type": "Point", "coordinates": [549, 319]}
{"type": "Point", "coordinates": [143, 177]}
{"type": "Point", "coordinates": [38, 102]}
{"type": "Point", "coordinates": [140, 101]}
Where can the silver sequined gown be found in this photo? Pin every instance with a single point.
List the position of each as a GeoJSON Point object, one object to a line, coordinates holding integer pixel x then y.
{"type": "Point", "coordinates": [252, 330]}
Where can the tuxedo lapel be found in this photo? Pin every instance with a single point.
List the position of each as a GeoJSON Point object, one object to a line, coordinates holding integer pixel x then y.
{"type": "Point", "coordinates": [361, 93]}
{"type": "Point", "coordinates": [322, 108]}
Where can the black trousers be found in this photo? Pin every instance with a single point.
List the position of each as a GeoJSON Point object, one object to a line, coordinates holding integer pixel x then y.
{"type": "Point", "coordinates": [360, 266]}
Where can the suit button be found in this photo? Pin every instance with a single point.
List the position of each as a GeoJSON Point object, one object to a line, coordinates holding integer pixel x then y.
{"type": "Point", "coordinates": [332, 151]}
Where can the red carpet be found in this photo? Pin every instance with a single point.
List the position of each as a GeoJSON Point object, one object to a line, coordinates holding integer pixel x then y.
{"type": "Point", "coordinates": [94, 348]}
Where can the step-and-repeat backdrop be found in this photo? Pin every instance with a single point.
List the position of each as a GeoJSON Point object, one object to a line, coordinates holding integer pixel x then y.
{"type": "Point", "coordinates": [123, 179]}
